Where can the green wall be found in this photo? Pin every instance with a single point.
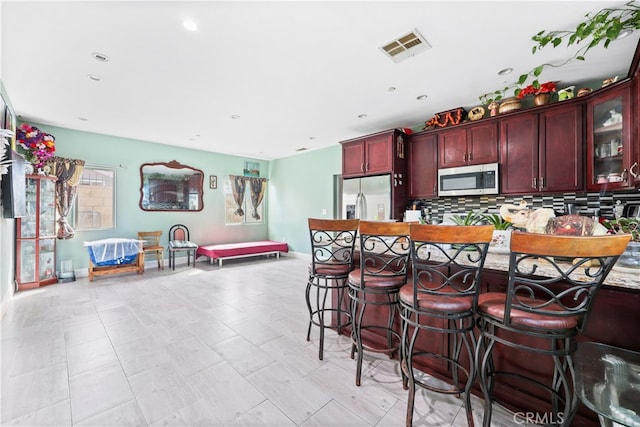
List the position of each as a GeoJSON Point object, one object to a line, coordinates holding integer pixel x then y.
{"type": "Point", "coordinates": [126, 155]}
{"type": "Point", "coordinates": [299, 187]}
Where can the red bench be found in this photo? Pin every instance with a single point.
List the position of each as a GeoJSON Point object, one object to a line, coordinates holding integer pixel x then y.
{"type": "Point", "coordinates": [242, 250]}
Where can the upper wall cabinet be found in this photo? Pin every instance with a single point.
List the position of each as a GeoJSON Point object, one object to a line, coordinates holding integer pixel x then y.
{"type": "Point", "coordinates": [423, 166]}
{"type": "Point", "coordinates": [611, 160]}
{"type": "Point", "coordinates": [471, 145]}
{"type": "Point", "coordinates": [542, 150]}
{"type": "Point", "coordinates": [374, 155]}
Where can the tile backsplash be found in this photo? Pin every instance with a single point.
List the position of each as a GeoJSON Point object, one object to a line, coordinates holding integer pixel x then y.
{"type": "Point", "coordinates": [591, 201]}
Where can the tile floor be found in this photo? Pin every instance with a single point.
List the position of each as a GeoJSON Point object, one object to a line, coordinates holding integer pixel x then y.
{"type": "Point", "coordinates": [207, 346]}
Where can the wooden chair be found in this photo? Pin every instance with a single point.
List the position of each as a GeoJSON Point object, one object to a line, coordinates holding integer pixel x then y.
{"type": "Point", "coordinates": [553, 281]}
{"type": "Point", "coordinates": [151, 245]}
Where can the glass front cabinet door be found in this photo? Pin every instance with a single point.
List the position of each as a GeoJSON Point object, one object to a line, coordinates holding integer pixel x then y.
{"type": "Point", "coordinates": [35, 234]}
{"type": "Point", "coordinates": [610, 164]}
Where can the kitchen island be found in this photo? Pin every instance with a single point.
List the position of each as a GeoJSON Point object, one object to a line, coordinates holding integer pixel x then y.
{"type": "Point", "coordinates": [613, 320]}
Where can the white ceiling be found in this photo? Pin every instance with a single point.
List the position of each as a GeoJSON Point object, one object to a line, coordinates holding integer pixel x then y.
{"type": "Point", "coordinates": [291, 70]}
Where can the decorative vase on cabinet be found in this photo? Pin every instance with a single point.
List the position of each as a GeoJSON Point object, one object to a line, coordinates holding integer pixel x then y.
{"type": "Point", "coordinates": [35, 234]}
{"type": "Point", "coordinates": [542, 99]}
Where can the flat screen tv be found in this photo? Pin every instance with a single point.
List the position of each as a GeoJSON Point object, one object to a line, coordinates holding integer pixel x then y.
{"type": "Point", "coordinates": [13, 187]}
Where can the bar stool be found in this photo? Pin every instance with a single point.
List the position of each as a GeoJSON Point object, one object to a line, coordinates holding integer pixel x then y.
{"type": "Point", "coordinates": [384, 253]}
{"type": "Point", "coordinates": [332, 244]}
{"type": "Point", "coordinates": [441, 298]}
{"type": "Point", "coordinates": [546, 304]}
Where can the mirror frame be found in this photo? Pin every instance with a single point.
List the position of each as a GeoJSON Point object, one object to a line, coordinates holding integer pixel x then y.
{"type": "Point", "coordinates": [173, 165]}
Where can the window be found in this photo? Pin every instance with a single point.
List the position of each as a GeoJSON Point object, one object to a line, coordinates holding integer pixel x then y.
{"type": "Point", "coordinates": [95, 201]}
{"type": "Point", "coordinates": [244, 200]}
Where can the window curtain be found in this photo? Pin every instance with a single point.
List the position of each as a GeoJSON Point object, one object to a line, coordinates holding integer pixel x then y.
{"type": "Point", "coordinates": [258, 187]}
{"type": "Point", "coordinates": [237, 188]}
{"type": "Point", "coordinates": [68, 172]}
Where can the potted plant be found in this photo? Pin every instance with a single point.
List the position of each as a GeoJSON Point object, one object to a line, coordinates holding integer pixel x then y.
{"type": "Point", "coordinates": [472, 218]}
{"type": "Point", "coordinates": [501, 240]}
{"type": "Point", "coordinates": [541, 92]}
{"type": "Point", "coordinates": [631, 256]}
{"type": "Point", "coordinates": [596, 29]}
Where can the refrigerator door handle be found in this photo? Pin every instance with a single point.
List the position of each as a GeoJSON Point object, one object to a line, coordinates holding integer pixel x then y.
{"type": "Point", "coordinates": [361, 206]}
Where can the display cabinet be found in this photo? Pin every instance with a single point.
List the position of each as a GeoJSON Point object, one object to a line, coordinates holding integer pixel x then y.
{"type": "Point", "coordinates": [610, 157]}
{"type": "Point", "coordinates": [35, 234]}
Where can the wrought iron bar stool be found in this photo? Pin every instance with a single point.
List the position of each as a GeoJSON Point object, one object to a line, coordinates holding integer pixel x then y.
{"type": "Point", "coordinates": [553, 281]}
{"type": "Point", "coordinates": [332, 245]}
{"type": "Point", "coordinates": [441, 298]}
{"type": "Point", "coordinates": [384, 249]}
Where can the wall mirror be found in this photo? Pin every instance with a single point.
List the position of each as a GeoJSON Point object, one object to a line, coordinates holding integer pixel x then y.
{"type": "Point", "coordinates": [170, 187]}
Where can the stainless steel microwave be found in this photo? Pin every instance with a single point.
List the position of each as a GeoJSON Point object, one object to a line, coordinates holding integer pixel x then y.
{"type": "Point", "coordinates": [469, 180]}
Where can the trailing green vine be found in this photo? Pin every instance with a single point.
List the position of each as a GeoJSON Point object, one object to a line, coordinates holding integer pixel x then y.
{"type": "Point", "coordinates": [603, 27]}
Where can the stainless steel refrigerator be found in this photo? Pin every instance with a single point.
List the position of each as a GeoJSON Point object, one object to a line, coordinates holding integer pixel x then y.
{"type": "Point", "coordinates": [366, 198]}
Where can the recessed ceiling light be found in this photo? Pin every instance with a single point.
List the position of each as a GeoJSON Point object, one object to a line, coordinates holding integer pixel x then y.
{"type": "Point", "coordinates": [83, 119]}
{"type": "Point", "coordinates": [302, 149]}
{"type": "Point", "coordinates": [391, 89]}
{"type": "Point", "coordinates": [235, 116]}
{"type": "Point", "coordinates": [422, 97]}
{"type": "Point", "coordinates": [312, 138]}
{"type": "Point", "coordinates": [623, 34]}
{"type": "Point", "coordinates": [94, 77]}
{"type": "Point", "coordinates": [505, 71]}
{"type": "Point", "coordinates": [362, 116]}
{"type": "Point", "coordinates": [100, 56]}
{"type": "Point", "coordinates": [190, 25]}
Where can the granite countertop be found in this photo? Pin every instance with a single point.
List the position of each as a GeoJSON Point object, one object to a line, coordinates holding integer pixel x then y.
{"type": "Point", "coordinates": [618, 277]}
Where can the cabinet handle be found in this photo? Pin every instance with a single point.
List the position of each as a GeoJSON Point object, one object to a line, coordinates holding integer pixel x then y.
{"type": "Point", "coordinates": [535, 183]}
{"type": "Point", "coordinates": [470, 157]}
{"type": "Point", "coordinates": [366, 167]}
{"type": "Point", "coordinates": [464, 157]}
{"type": "Point", "coordinates": [633, 174]}
{"type": "Point", "coordinates": [361, 167]}
{"type": "Point", "coordinates": [541, 182]}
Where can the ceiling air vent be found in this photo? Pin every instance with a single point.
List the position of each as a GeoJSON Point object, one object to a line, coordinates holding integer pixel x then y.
{"type": "Point", "coordinates": [405, 47]}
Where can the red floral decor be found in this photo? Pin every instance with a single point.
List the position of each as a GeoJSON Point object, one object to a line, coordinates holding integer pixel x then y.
{"type": "Point", "coordinates": [38, 146]}
{"type": "Point", "coordinates": [537, 88]}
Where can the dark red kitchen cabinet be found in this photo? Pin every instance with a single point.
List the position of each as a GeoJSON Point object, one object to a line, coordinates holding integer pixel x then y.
{"type": "Point", "coordinates": [542, 151]}
{"type": "Point", "coordinates": [469, 145]}
{"type": "Point", "coordinates": [423, 165]}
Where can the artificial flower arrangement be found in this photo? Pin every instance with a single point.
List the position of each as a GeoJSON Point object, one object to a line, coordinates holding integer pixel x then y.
{"type": "Point", "coordinates": [536, 88]}
{"type": "Point", "coordinates": [38, 146]}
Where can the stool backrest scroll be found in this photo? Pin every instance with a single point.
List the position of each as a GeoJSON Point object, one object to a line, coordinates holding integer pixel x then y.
{"type": "Point", "coordinates": [447, 260]}
{"type": "Point", "coordinates": [563, 273]}
{"type": "Point", "coordinates": [384, 250]}
{"type": "Point", "coordinates": [332, 244]}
